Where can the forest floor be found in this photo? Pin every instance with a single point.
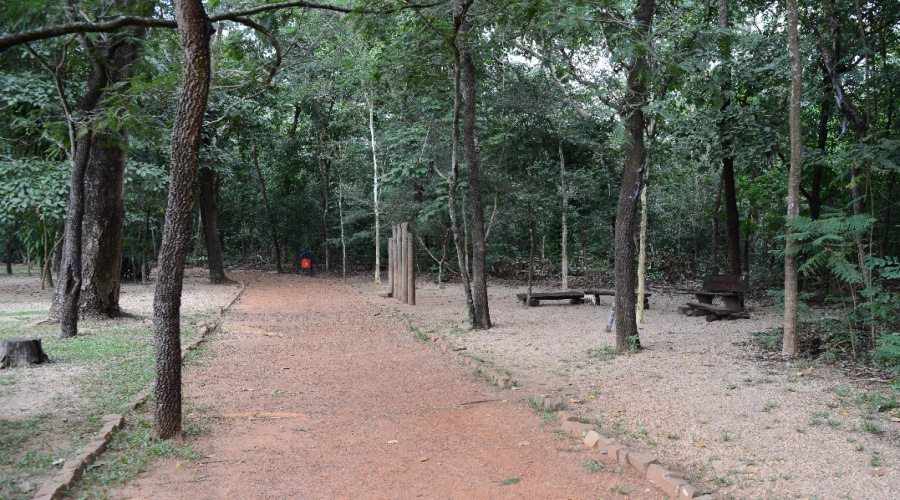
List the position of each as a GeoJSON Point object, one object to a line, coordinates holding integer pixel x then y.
{"type": "Point", "coordinates": [319, 388]}
{"type": "Point", "coordinates": [311, 391]}
{"type": "Point", "coordinates": [703, 396]}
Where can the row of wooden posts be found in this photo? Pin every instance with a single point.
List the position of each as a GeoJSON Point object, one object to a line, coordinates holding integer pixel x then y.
{"type": "Point", "coordinates": [402, 264]}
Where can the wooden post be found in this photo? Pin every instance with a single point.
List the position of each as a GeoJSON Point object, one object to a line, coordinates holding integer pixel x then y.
{"type": "Point", "coordinates": [410, 267]}
{"type": "Point", "coordinates": [392, 262]}
{"type": "Point", "coordinates": [401, 247]}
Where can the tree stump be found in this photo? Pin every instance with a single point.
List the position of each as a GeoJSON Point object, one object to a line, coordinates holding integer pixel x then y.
{"type": "Point", "coordinates": [21, 352]}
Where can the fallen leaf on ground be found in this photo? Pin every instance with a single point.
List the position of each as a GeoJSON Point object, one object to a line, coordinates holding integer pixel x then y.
{"type": "Point", "coordinates": [505, 401]}
{"type": "Point", "coordinates": [512, 480]}
{"type": "Point", "coordinates": [844, 413]}
{"type": "Point", "coordinates": [685, 357]}
{"type": "Point", "coordinates": [180, 466]}
{"type": "Point", "coordinates": [285, 368]}
{"type": "Point", "coordinates": [799, 374]}
{"type": "Point", "coordinates": [701, 444]}
{"type": "Point", "coordinates": [592, 397]}
{"type": "Point", "coordinates": [744, 449]}
{"type": "Point", "coordinates": [523, 443]}
{"type": "Point", "coordinates": [877, 473]}
{"type": "Point", "coordinates": [422, 459]}
{"type": "Point", "coordinates": [576, 401]}
{"type": "Point", "coordinates": [895, 419]}
{"type": "Point", "coordinates": [752, 470]}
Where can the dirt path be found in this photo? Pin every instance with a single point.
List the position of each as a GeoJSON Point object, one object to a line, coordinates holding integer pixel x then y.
{"type": "Point", "coordinates": [312, 392]}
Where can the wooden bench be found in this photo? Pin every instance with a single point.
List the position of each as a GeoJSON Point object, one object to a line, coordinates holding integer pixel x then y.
{"type": "Point", "coordinates": [730, 287]}
{"type": "Point", "coordinates": [536, 298]}
{"type": "Point", "coordinates": [612, 293]}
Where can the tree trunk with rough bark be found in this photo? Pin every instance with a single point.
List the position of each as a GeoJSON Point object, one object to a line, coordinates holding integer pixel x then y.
{"type": "Point", "coordinates": [564, 247]}
{"type": "Point", "coordinates": [273, 227]}
{"type": "Point", "coordinates": [482, 318]}
{"type": "Point", "coordinates": [632, 179]}
{"type": "Point", "coordinates": [100, 198]}
{"type": "Point", "coordinates": [791, 292]}
{"type": "Point", "coordinates": [70, 273]}
{"type": "Point", "coordinates": [194, 30]}
{"type": "Point", "coordinates": [209, 213]}
{"type": "Point", "coordinates": [732, 216]}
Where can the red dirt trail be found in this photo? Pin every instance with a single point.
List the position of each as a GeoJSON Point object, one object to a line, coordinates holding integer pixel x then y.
{"type": "Point", "coordinates": [313, 392]}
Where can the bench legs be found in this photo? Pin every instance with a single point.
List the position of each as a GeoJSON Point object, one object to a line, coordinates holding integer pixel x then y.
{"type": "Point", "coordinates": [704, 299]}
{"type": "Point", "coordinates": [734, 303]}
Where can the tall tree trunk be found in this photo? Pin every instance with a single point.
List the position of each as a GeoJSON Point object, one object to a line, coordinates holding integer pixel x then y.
{"type": "Point", "coordinates": [732, 218]}
{"type": "Point", "coordinates": [564, 250]}
{"type": "Point", "coordinates": [269, 215]}
{"type": "Point", "coordinates": [206, 180]}
{"type": "Point", "coordinates": [892, 177]}
{"type": "Point", "coordinates": [70, 274]}
{"type": "Point", "coordinates": [715, 230]}
{"type": "Point", "coordinates": [482, 318]}
{"type": "Point", "coordinates": [194, 30]}
{"type": "Point", "coordinates": [104, 180]}
{"type": "Point", "coordinates": [532, 228]}
{"type": "Point", "coordinates": [791, 292]}
{"type": "Point", "coordinates": [341, 216]}
{"type": "Point", "coordinates": [452, 178]}
{"type": "Point", "coordinates": [100, 207]}
{"type": "Point", "coordinates": [146, 232]}
{"type": "Point", "coordinates": [102, 226]}
{"type": "Point", "coordinates": [815, 197]}
{"type": "Point", "coordinates": [324, 167]}
{"type": "Point", "coordinates": [632, 180]}
{"type": "Point", "coordinates": [375, 194]}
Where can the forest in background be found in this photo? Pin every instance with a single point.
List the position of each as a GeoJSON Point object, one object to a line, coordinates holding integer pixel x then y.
{"type": "Point", "coordinates": [323, 125]}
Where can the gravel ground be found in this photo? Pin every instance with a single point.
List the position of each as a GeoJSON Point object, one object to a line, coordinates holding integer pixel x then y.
{"type": "Point", "coordinates": [698, 395]}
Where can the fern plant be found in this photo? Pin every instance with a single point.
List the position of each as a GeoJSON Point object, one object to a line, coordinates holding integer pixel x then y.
{"type": "Point", "coordinates": [829, 245]}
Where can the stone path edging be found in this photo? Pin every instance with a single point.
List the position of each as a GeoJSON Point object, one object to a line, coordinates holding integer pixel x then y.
{"type": "Point", "coordinates": [55, 487]}
{"type": "Point", "coordinates": [673, 484]}
{"type": "Point", "coordinates": [72, 470]}
{"type": "Point", "coordinates": [502, 380]}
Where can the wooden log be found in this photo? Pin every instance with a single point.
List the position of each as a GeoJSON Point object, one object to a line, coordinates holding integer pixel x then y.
{"type": "Point", "coordinates": [15, 352]}
{"type": "Point", "coordinates": [410, 267]}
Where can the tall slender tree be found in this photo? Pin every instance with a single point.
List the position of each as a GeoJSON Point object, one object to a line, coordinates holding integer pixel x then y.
{"type": "Point", "coordinates": [195, 31]}
{"type": "Point", "coordinates": [632, 180]}
{"type": "Point", "coordinates": [791, 291]}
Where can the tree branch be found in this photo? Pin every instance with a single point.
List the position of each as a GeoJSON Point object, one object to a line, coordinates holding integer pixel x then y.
{"type": "Point", "coordinates": [118, 22]}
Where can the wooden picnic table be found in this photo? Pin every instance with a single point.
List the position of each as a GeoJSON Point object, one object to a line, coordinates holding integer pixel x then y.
{"type": "Point", "coordinates": [536, 298]}
{"type": "Point", "coordinates": [730, 287]}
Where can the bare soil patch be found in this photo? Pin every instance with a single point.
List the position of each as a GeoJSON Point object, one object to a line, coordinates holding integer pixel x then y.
{"type": "Point", "coordinates": [311, 391]}
{"type": "Point", "coordinates": [700, 395]}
